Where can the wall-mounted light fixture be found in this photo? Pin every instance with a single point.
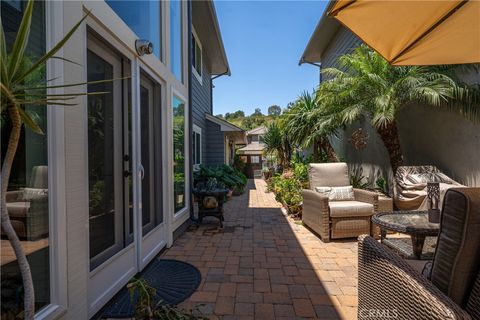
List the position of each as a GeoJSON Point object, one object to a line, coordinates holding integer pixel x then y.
{"type": "Point", "coordinates": [143, 47]}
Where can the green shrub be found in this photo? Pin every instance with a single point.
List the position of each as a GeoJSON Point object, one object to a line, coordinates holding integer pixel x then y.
{"type": "Point", "coordinates": [288, 191]}
{"type": "Point", "coordinates": [227, 175]}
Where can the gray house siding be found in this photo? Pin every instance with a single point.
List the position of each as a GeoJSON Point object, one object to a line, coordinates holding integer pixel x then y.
{"type": "Point", "coordinates": [343, 42]}
{"type": "Point", "coordinates": [427, 135]}
{"type": "Point", "coordinates": [202, 102]}
{"type": "Point", "coordinates": [215, 138]}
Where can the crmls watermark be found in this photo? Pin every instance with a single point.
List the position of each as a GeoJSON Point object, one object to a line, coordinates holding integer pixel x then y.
{"type": "Point", "coordinates": [378, 314]}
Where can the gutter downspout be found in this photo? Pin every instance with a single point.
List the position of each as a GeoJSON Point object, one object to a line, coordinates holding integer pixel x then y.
{"type": "Point", "coordinates": [190, 109]}
{"type": "Point", "coordinates": [211, 102]}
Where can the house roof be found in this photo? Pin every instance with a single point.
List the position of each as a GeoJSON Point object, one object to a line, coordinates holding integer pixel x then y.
{"type": "Point", "coordinates": [254, 148]}
{"type": "Point", "coordinates": [224, 125]}
{"type": "Point", "coordinates": [259, 130]}
{"type": "Point", "coordinates": [324, 32]}
{"type": "Point", "coordinates": [204, 19]}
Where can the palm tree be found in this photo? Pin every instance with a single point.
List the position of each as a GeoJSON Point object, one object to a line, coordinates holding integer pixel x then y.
{"type": "Point", "coordinates": [20, 87]}
{"type": "Point", "coordinates": [307, 125]}
{"type": "Point", "coordinates": [365, 85]}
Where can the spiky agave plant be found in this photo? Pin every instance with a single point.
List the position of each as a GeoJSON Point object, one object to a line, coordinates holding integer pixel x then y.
{"type": "Point", "coordinates": [20, 87]}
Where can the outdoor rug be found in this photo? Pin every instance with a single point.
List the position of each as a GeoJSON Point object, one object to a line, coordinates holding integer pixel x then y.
{"type": "Point", "coordinates": [174, 281]}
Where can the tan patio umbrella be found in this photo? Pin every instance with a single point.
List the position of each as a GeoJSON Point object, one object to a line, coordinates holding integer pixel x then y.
{"type": "Point", "coordinates": [415, 32]}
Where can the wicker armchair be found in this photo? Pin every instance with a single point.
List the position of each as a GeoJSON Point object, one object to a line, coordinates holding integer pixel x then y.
{"type": "Point", "coordinates": [448, 288]}
{"type": "Point", "coordinates": [336, 219]}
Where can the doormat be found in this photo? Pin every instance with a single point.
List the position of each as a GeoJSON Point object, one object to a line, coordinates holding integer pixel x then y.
{"type": "Point", "coordinates": [174, 281]}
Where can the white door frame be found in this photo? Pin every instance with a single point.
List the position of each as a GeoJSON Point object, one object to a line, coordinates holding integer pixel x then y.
{"type": "Point", "coordinates": [112, 275]}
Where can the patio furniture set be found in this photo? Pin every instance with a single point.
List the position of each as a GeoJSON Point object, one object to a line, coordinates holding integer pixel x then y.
{"type": "Point", "coordinates": [449, 285]}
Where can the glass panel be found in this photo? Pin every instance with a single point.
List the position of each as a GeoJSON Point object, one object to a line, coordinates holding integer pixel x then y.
{"type": "Point", "coordinates": [100, 156]}
{"type": "Point", "coordinates": [196, 56]}
{"type": "Point", "coordinates": [194, 147]}
{"type": "Point", "coordinates": [143, 17]}
{"type": "Point", "coordinates": [27, 195]}
{"type": "Point", "coordinates": [105, 153]}
{"type": "Point", "coordinates": [198, 59]}
{"type": "Point", "coordinates": [179, 153]}
{"type": "Point", "coordinates": [150, 126]}
{"type": "Point", "coordinates": [176, 38]}
{"type": "Point", "coordinates": [197, 149]}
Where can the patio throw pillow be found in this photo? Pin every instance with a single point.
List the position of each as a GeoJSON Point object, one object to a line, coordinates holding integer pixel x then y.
{"type": "Point", "coordinates": [337, 193]}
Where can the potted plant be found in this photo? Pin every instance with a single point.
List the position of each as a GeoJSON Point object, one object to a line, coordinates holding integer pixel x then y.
{"type": "Point", "coordinates": [210, 197]}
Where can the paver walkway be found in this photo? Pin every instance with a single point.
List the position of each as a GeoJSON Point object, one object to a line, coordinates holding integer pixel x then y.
{"type": "Point", "coordinates": [265, 266]}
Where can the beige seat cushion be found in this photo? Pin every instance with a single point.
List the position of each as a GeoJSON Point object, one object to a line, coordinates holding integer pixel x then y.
{"type": "Point", "coordinates": [328, 174]}
{"type": "Point", "coordinates": [340, 209]}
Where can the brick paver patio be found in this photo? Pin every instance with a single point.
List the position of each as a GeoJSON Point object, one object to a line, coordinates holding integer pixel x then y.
{"type": "Point", "coordinates": [264, 266]}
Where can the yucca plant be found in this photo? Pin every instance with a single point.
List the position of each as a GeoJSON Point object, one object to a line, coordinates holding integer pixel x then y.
{"type": "Point", "coordinates": [21, 87]}
{"type": "Point", "coordinates": [306, 126]}
{"type": "Point", "coordinates": [276, 141]}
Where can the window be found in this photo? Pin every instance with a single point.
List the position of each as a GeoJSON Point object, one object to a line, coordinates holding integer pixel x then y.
{"type": "Point", "coordinates": [197, 146]}
{"type": "Point", "coordinates": [27, 195]}
{"type": "Point", "coordinates": [196, 57]}
{"type": "Point", "coordinates": [144, 18]}
{"type": "Point", "coordinates": [176, 39]}
{"type": "Point", "coordinates": [179, 173]}
{"type": "Point", "coordinates": [255, 159]}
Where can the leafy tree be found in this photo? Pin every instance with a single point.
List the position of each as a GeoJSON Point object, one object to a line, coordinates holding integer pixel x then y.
{"type": "Point", "coordinates": [274, 110]}
{"type": "Point", "coordinates": [365, 85]}
{"type": "Point", "coordinates": [238, 114]}
{"type": "Point", "coordinates": [306, 124]}
{"type": "Point", "coordinates": [257, 113]}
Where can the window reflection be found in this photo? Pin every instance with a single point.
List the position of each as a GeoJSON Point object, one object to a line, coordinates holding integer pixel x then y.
{"type": "Point", "coordinates": [179, 153]}
{"type": "Point", "coordinates": [143, 17]}
{"type": "Point", "coordinates": [27, 195]}
{"type": "Point", "coordinates": [176, 38]}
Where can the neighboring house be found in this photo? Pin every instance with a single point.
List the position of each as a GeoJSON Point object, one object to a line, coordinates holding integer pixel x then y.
{"type": "Point", "coordinates": [424, 131]}
{"type": "Point", "coordinates": [214, 139]}
{"type": "Point", "coordinates": [107, 187]}
{"type": "Point", "coordinates": [253, 152]}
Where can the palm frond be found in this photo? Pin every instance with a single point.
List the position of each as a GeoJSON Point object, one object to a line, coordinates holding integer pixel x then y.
{"type": "Point", "coordinates": [21, 41]}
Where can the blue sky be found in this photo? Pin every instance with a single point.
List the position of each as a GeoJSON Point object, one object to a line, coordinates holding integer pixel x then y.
{"type": "Point", "coordinates": [264, 41]}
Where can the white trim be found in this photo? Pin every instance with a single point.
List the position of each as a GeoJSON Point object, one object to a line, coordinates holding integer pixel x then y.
{"type": "Point", "coordinates": [56, 174]}
{"type": "Point", "coordinates": [136, 165]}
{"type": "Point", "coordinates": [194, 69]}
{"type": "Point", "coordinates": [187, 142]}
